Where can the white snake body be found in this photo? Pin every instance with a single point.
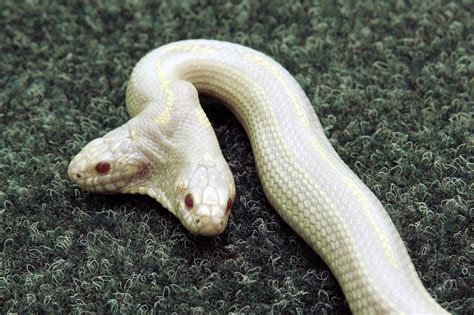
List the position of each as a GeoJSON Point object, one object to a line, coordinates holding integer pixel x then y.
{"type": "Point", "coordinates": [169, 151]}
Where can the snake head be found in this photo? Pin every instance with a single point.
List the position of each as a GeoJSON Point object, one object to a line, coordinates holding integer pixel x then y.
{"type": "Point", "coordinates": [204, 197]}
{"type": "Point", "coordinates": [108, 164]}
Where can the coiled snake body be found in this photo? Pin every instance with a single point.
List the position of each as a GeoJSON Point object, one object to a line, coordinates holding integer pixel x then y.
{"type": "Point", "coordinates": [168, 151]}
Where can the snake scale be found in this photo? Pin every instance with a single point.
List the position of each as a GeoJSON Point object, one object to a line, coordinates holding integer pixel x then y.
{"type": "Point", "coordinates": [168, 151]}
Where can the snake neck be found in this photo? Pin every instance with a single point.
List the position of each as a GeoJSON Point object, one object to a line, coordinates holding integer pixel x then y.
{"type": "Point", "coordinates": [302, 175]}
{"type": "Point", "coordinates": [178, 138]}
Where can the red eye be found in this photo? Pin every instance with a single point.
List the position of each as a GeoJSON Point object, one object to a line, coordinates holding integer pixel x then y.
{"type": "Point", "coordinates": [229, 204]}
{"type": "Point", "coordinates": [102, 167]}
{"type": "Point", "coordinates": [188, 201]}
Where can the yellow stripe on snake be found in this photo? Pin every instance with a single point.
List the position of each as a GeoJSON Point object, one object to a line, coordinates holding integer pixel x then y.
{"type": "Point", "coordinates": [169, 151]}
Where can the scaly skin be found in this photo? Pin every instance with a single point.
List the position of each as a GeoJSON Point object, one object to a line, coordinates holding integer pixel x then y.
{"type": "Point", "coordinates": [168, 151]}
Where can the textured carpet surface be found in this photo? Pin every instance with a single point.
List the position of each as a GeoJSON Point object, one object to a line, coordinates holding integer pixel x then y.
{"type": "Point", "coordinates": [392, 83]}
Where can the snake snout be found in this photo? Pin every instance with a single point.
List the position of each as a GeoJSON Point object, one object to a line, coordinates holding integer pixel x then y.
{"type": "Point", "coordinates": [74, 173]}
{"type": "Point", "coordinates": [210, 225]}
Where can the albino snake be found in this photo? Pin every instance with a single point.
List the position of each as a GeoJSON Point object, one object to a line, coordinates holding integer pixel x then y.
{"type": "Point", "coordinates": [168, 151]}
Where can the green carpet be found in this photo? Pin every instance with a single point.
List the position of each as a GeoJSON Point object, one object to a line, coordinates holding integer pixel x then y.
{"type": "Point", "coordinates": [391, 82]}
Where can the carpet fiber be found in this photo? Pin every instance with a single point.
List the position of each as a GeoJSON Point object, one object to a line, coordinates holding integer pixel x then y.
{"type": "Point", "coordinates": [391, 82]}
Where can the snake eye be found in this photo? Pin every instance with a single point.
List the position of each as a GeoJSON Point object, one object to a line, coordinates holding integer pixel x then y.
{"type": "Point", "coordinates": [229, 204]}
{"type": "Point", "coordinates": [188, 201]}
{"type": "Point", "coordinates": [102, 167]}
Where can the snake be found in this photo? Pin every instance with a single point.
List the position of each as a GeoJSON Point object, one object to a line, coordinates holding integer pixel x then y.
{"type": "Point", "coordinates": [168, 150]}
